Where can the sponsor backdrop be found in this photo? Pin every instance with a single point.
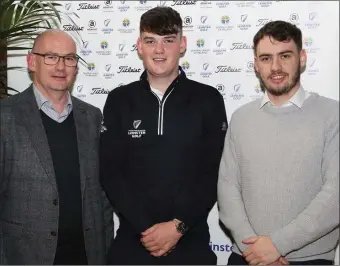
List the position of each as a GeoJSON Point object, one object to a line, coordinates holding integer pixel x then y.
{"type": "Point", "coordinates": [219, 52]}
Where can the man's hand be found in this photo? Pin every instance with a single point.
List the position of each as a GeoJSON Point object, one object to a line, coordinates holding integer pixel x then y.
{"type": "Point", "coordinates": [261, 250]}
{"type": "Point", "coordinates": [161, 238]}
{"type": "Point", "coordinates": [280, 261]}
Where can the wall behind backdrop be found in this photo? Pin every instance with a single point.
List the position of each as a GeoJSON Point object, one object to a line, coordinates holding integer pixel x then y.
{"type": "Point", "coordinates": [219, 53]}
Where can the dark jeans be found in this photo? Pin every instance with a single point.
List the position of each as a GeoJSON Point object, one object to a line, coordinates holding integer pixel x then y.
{"type": "Point", "coordinates": [236, 259]}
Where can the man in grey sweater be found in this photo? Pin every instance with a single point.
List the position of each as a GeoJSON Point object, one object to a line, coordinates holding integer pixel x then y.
{"type": "Point", "coordinates": [278, 188]}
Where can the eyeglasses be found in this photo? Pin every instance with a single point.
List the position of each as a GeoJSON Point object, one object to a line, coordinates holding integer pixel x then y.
{"type": "Point", "coordinates": [53, 59]}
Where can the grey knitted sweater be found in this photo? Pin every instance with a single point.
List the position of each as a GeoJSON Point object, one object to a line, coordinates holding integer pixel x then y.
{"type": "Point", "coordinates": [279, 176]}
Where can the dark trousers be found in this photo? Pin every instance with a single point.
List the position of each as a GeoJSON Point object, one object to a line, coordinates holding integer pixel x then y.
{"type": "Point", "coordinates": [236, 259]}
{"type": "Point", "coordinates": [127, 250]}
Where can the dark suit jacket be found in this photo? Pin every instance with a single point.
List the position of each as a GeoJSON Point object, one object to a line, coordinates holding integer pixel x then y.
{"type": "Point", "coordinates": [28, 187]}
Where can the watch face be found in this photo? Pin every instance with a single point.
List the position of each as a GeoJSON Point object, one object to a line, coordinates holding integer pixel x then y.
{"type": "Point", "coordinates": [182, 228]}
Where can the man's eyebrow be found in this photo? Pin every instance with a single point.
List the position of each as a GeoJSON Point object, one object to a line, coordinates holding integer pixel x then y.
{"type": "Point", "coordinates": [264, 54]}
{"type": "Point", "coordinates": [173, 36]}
{"type": "Point", "coordinates": [280, 53]}
{"type": "Point", "coordinates": [148, 38]}
{"type": "Point", "coordinates": [71, 54]}
{"type": "Point", "coordinates": [286, 52]}
{"type": "Point", "coordinates": [170, 37]}
{"type": "Point", "coordinates": [54, 53]}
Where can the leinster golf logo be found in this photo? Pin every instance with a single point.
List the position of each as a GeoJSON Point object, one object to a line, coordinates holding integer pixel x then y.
{"type": "Point", "coordinates": [136, 123]}
{"type": "Point", "coordinates": [135, 132]}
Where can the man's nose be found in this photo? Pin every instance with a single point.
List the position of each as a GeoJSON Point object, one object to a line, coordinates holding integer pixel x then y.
{"type": "Point", "coordinates": [159, 47]}
{"type": "Point", "coordinates": [61, 63]}
{"type": "Point", "coordinates": [276, 64]}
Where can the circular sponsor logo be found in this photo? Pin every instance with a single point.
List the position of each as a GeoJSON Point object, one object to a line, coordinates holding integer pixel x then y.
{"type": "Point", "coordinates": [108, 3]}
{"type": "Point", "coordinates": [92, 23]}
{"type": "Point", "coordinates": [294, 17]}
{"type": "Point", "coordinates": [220, 87]}
{"type": "Point", "coordinates": [250, 65]}
{"type": "Point", "coordinates": [187, 20]}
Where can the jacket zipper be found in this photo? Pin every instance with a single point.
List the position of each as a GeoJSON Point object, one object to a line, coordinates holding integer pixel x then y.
{"type": "Point", "coordinates": [161, 104]}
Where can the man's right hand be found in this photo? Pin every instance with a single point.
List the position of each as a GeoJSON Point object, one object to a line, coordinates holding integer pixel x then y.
{"type": "Point", "coordinates": [160, 238]}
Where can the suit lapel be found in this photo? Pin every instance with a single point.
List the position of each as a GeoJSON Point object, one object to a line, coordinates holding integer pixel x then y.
{"type": "Point", "coordinates": [81, 123]}
{"type": "Point", "coordinates": [30, 117]}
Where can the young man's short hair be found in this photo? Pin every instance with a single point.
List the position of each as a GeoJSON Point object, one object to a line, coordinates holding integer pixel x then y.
{"type": "Point", "coordinates": [161, 21]}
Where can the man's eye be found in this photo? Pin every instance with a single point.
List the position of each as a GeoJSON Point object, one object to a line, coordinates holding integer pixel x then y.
{"type": "Point", "coordinates": [285, 56]}
{"type": "Point", "coordinates": [70, 58]}
{"type": "Point", "coordinates": [52, 57]}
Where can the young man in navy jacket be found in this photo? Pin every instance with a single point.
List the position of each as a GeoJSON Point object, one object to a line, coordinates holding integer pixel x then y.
{"type": "Point", "coordinates": [161, 146]}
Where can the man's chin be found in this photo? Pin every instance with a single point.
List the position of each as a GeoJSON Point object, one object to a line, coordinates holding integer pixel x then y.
{"type": "Point", "coordinates": [159, 73]}
{"type": "Point", "coordinates": [279, 91]}
{"type": "Point", "coordinates": [61, 89]}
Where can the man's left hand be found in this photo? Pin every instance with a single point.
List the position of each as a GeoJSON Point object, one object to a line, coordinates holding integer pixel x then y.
{"type": "Point", "coordinates": [262, 251]}
{"type": "Point", "coordinates": [160, 238]}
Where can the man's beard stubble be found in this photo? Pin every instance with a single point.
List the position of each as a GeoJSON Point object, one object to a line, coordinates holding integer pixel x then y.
{"type": "Point", "coordinates": [284, 90]}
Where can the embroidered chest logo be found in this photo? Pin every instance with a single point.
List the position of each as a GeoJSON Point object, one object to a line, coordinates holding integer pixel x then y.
{"type": "Point", "coordinates": [136, 123]}
{"type": "Point", "coordinates": [136, 133]}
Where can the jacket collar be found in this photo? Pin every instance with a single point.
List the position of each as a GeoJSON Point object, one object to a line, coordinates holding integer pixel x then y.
{"type": "Point", "coordinates": [181, 76]}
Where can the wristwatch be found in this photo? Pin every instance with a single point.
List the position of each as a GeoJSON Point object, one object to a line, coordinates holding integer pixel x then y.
{"type": "Point", "coordinates": [181, 227]}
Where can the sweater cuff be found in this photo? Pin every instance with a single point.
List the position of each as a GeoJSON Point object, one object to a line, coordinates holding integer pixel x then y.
{"type": "Point", "coordinates": [280, 241]}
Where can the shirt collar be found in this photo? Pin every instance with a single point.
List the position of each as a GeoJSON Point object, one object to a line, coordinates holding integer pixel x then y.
{"type": "Point", "coordinates": [41, 99]}
{"type": "Point", "coordinates": [297, 99]}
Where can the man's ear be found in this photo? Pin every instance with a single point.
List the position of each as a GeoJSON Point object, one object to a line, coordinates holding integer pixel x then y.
{"type": "Point", "coordinates": [183, 45]}
{"type": "Point", "coordinates": [139, 46]}
{"type": "Point", "coordinates": [31, 62]}
{"type": "Point", "coordinates": [256, 67]}
{"type": "Point", "coordinates": [303, 58]}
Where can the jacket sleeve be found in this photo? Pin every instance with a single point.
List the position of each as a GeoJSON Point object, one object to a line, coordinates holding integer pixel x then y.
{"type": "Point", "coordinates": [125, 198]}
{"type": "Point", "coordinates": [321, 216]}
{"type": "Point", "coordinates": [193, 202]}
{"type": "Point", "coordinates": [229, 197]}
{"type": "Point", "coordinates": [108, 221]}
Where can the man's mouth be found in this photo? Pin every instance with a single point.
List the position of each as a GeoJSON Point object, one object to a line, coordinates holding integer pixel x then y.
{"type": "Point", "coordinates": [159, 59]}
{"type": "Point", "coordinates": [278, 77]}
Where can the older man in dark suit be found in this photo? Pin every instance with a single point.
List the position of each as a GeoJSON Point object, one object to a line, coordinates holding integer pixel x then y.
{"type": "Point", "coordinates": [52, 208]}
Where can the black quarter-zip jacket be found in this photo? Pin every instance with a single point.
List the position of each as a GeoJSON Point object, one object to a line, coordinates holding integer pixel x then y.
{"type": "Point", "coordinates": [160, 158]}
